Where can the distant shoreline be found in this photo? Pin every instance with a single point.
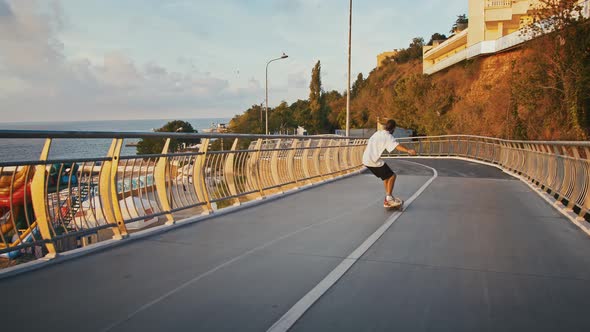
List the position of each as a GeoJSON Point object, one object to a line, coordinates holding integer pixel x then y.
{"type": "Point", "coordinates": [9, 123]}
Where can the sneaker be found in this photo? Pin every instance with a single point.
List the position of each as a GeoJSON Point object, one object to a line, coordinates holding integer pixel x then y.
{"type": "Point", "coordinates": [392, 203]}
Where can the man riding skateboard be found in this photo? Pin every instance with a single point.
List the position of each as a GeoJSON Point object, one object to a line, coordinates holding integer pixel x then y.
{"type": "Point", "coordinates": [380, 141]}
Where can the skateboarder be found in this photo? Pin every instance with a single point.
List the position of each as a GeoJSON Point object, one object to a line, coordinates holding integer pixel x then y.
{"type": "Point", "coordinates": [380, 141]}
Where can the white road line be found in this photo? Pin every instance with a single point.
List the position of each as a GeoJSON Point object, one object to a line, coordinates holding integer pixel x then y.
{"type": "Point", "coordinates": [291, 316]}
{"type": "Point", "coordinates": [226, 263]}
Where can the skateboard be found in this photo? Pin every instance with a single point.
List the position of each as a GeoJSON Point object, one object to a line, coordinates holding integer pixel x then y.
{"type": "Point", "coordinates": [399, 205]}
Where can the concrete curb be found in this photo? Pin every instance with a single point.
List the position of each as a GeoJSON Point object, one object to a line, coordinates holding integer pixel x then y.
{"type": "Point", "coordinates": [108, 244]}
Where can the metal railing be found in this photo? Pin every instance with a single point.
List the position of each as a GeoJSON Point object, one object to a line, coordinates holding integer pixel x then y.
{"type": "Point", "coordinates": [49, 206]}
{"type": "Point", "coordinates": [498, 3]}
{"type": "Point", "coordinates": [562, 169]}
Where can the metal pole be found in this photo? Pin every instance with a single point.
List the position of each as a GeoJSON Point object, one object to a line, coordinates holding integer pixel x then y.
{"type": "Point", "coordinates": [261, 105]}
{"type": "Point", "coordinates": [266, 98]}
{"type": "Point", "coordinates": [348, 86]}
{"type": "Point", "coordinates": [284, 56]}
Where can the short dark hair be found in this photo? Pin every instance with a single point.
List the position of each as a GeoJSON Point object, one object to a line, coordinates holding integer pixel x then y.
{"type": "Point", "coordinates": [390, 125]}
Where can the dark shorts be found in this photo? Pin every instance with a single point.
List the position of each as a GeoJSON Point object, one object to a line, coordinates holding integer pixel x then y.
{"type": "Point", "coordinates": [383, 172]}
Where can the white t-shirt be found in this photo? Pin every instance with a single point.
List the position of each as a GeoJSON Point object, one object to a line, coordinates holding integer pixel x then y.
{"type": "Point", "coordinates": [381, 140]}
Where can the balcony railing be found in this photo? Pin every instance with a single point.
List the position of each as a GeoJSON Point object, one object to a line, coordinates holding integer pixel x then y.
{"type": "Point", "coordinates": [54, 205]}
{"type": "Point", "coordinates": [562, 169]}
{"type": "Point", "coordinates": [447, 62]}
{"type": "Point", "coordinates": [490, 4]}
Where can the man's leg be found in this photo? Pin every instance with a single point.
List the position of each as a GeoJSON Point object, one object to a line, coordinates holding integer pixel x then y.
{"type": "Point", "coordinates": [389, 184]}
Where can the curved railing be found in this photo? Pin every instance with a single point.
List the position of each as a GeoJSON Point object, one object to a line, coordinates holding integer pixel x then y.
{"type": "Point", "coordinates": [50, 205]}
{"type": "Point", "coordinates": [562, 169]}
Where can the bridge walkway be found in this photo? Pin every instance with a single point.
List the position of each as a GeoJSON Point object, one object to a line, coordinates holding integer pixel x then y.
{"type": "Point", "coordinates": [477, 250]}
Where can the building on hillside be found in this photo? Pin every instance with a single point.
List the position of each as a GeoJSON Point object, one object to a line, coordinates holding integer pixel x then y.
{"type": "Point", "coordinates": [494, 26]}
{"type": "Point", "coordinates": [383, 56]}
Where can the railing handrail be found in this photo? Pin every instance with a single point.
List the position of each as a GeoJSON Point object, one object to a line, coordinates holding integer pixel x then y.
{"type": "Point", "coordinates": [147, 134]}
{"type": "Point", "coordinates": [576, 143]}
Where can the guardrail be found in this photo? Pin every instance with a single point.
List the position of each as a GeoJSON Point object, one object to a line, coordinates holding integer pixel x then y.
{"type": "Point", "coordinates": [562, 169]}
{"type": "Point", "coordinates": [49, 206]}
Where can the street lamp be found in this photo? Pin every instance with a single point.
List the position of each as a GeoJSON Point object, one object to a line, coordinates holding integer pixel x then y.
{"type": "Point", "coordinates": [261, 107]}
{"type": "Point", "coordinates": [348, 88]}
{"type": "Point", "coordinates": [284, 56]}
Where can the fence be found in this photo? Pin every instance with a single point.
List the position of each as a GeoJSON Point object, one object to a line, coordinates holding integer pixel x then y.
{"type": "Point", "coordinates": [49, 205]}
{"type": "Point", "coordinates": [562, 169]}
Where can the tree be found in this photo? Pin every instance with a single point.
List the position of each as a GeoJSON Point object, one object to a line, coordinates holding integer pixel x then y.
{"type": "Point", "coordinates": [414, 51]}
{"type": "Point", "coordinates": [155, 145]}
{"type": "Point", "coordinates": [316, 102]}
{"type": "Point", "coordinates": [357, 85]}
{"type": "Point", "coordinates": [561, 43]}
{"type": "Point", "coordinates": [332, 103]}
{"type": "Point", "coordinates": [302, 113]}
{"type": "Point", "coordinates": [436, 36]}
{"type": "Point", "coordinates": [281, 119]}
{"type": "Point", "coordinates": [250, 122]}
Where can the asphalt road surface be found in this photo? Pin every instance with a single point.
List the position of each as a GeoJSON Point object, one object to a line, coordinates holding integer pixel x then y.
{"type": "Point", "coordinates": [476, 251]}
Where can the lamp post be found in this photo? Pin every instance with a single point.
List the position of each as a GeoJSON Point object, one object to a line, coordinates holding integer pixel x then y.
{"type": "Point", "coordinates": [261, 106]}
{"type": "Point", "coordinates": [348, 87]}
{"type": "Point", "coordinates": [284, 56]}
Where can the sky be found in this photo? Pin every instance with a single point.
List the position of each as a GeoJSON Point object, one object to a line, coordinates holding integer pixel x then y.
{"type": "Point", "coordinates": [77, 60]}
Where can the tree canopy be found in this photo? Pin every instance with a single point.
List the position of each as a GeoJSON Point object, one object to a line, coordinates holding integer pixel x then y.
{"type": "Point", "coordinates": [436, 36]}
{"type": "Point", "coordinates": [413, 52]}
{"type": "Point", "coordinates": [155, 145]}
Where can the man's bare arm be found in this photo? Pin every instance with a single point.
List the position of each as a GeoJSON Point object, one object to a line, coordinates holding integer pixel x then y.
{"type": "Point", "coordinates": [402, 148]}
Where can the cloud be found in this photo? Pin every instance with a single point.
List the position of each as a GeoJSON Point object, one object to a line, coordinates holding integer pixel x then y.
{"type": "Point", "coordinates": [38, 82]}
{"type": "Point", "coordinates": [297, 80]}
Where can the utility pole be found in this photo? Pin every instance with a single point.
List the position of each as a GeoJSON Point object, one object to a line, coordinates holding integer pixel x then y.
{"type": "Point", "coordinates": [348, 87]}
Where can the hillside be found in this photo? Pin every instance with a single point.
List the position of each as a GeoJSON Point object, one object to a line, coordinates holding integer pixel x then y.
{"type": "Point", "coordinates": [540, 91]}
{"type": "Point", "coordinates": [479, 97]}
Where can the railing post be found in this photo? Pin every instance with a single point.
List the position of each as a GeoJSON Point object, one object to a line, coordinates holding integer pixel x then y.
{"type": "Point", "coordinates": [531, 161]}
{"type": "Point", "coordinates": [228, 172]}
{"type": "Point", "coordinates": [352, 155]}
{"type": "Point", "coordinates": [554, 168]}
{"type": "Point", "coordinates": [199, 176]}
{"type": "Point", "coordinates": [305, 159]}
{"type": "Point", "coordinates": [577, 179]}
{"type": "Point", "coordinates": [540, 160]}
{"type": "Point", "coordinates": [160, 182]}
{"type": "Point", "coordinates": [39, 200]}
{"type": "Point", "coordinates": [316, 159]}
{"type": "Point", "coordinates": [328, 157]}
{"type": "Point", "coordinates": [351, 162]}
{"type": "Point", "coordinates": [108, 190]}
{"type": "Point", "coordinates": [450, 147]}
{"type": "Point", "coordinates": [274, 164]}
{"type": "Point", "coordinates": [337, 156]}
{"type": "Point", "coordinates": [586, 165]}
{"type": "Point", "coordinates": [420, 146]}
{"type": "Point", "coordinates": [256, 173]}
{"type": "Point", "coordinates": [291, 161]}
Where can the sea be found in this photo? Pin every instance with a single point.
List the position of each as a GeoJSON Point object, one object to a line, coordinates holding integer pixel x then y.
{"type": "Point", "coordinates": [14, 150]}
